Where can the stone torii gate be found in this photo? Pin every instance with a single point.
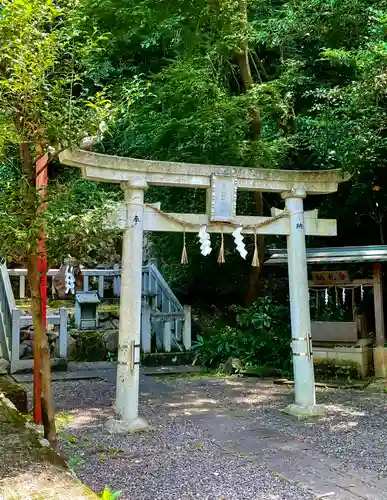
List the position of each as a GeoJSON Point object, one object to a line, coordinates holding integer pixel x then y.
{"type": "Point", "coordinates": [222, 184]}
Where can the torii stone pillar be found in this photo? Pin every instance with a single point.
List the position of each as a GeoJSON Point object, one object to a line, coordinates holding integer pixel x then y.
{"type": "Point", "coordinates": [128, 373]}
{"type": "Point", "coordinates": [305, 399]}
{"type": "Point", "coordinates": [222, 184]}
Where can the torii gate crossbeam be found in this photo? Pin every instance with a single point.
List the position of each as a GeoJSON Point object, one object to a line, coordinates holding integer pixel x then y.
{"type": "Point", "coordinates": [222, 184]}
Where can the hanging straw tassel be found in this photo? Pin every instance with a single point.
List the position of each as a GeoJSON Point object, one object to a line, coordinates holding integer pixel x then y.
{"type": "Point", "coordinates": [221, 250]}
{"type": "Point", "coordinates": [184, 256]}
{"type": "Point", "coordinates": [255, 261]}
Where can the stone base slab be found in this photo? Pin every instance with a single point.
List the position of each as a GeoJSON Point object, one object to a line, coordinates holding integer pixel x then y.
{"type": "Point", "coordinates": [115, 426]}
{"type": "Point", "coordinates": [361, 354]}
{"type": "Point", "coordinates": [302, 412]}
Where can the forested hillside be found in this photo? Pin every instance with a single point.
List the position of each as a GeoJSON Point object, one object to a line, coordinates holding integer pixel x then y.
{"type": "Point", "coordinates": [272, 84]}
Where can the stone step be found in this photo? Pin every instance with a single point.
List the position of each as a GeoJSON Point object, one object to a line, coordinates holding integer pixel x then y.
{"type": "Point", "coordinates": [84, 371]}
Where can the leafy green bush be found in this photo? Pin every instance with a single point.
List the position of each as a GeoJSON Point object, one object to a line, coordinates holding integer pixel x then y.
{"type": "Point", "coordinates": [90, 346]}
{"type": "Point", "coordinates": [261, 337]}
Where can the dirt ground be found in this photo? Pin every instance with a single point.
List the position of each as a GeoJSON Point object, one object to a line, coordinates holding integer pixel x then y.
{"type": "Point", "coordinates": [226, 438]}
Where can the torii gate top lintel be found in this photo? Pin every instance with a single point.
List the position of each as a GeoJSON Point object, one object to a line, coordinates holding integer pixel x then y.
{"type": "Point", "coordinates": [117, 169]}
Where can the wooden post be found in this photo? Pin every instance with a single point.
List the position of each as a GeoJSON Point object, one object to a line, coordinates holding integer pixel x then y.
{"type": "Point", "coordinates": [101, 286]}
{"type": "Point", "coordinates": [167, 336]}
{"type": "Point", "coordinates": [378, 303]}
{"type": "Point", "coordinates": [63, 332]}
{"type": "Point", "coordinates": [22, 286]}
{"type": "Point", "coordinates": [15, 340]}
{"type": "Point", "coordinates": [187, 341]}
{"type": "Point", "coordinates": [41, 186]}
{"type": "Point", "coordinates": [85, 283]}
{"type": "Point", "coordinates": [380, 365]}
{"type": "Point", "coordinates": [146, 327]}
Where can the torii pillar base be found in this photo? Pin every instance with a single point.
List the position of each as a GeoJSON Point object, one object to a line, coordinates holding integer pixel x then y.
{"type": "Point", "coordinates": [304, 412]}
{"type": "Point", "coordinates": [115, 426]}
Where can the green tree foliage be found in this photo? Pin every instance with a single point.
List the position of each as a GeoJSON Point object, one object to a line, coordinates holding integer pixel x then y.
{"type": "Point", "coordinates": [318, 70]}
{"type": "Point", "coordinates": [45, 75]}
{"type": "Point", "coordinates": [48, 99]}
{"type": "Point", "coordinates": [192, 107]}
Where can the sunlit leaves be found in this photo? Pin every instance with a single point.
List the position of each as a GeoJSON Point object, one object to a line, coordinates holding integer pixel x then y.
{"type": "Point", "coordinates": [45, 69]}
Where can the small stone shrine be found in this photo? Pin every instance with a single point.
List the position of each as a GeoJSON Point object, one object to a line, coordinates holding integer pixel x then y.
{"type": "Point", "coordinates": [86, 310]}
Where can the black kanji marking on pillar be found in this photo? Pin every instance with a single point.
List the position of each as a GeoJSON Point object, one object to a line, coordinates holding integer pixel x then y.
{"type": "Point", "coordinates": [136, 219]}
{"type": "Point", "coordinates": [299, 225]}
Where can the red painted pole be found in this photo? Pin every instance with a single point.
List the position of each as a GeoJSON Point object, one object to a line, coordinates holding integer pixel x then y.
{"type": "Point", "coordinates": [41, 183]}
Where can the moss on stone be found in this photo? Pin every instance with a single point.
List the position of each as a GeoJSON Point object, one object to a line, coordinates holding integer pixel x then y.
{"type": "Point", "coordinates": [29, 470]}
{"type": "Point", "coordinates": [14, 392]}
{"type": "Point", "coordinates": [89, 345]}
{"type": "Point", "coordinates": [331, 369]}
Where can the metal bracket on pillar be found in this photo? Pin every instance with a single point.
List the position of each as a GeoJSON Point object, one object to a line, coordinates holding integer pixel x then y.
{"type": "Point", "coordinates": [132, 358]}
{"type": "Point", "coordinates": [309, 345]}
{"type": "Point", "coordinates": [132, 355]}
{"type": "Point", "coordinates": [308, 340]}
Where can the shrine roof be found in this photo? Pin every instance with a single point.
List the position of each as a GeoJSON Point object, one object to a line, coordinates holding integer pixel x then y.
{"type": "Point", "coordinates": [87, 298]}
{"type": "Point", "coordinates": [333, 255]}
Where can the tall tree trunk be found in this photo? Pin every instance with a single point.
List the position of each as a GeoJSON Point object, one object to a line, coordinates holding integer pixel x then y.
{"type": "Point", "coordinates": [40, 337]}
{"type": "Point", "coordinates": [255, 272]}
{"type": "Point", "coordinates": [242, 58]}
{"type": "Point", "coordinates": [40, 340]}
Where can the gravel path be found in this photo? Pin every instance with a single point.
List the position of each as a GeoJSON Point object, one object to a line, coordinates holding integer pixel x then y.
{"type": "Point", "coordinates": [219, 438]}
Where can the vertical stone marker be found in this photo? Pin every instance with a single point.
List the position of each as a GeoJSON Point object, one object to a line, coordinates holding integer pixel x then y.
{"type": "Point", "coordinates": [222, 184]}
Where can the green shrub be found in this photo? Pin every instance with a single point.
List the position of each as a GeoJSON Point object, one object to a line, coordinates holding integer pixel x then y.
{"type": "Point", "coordinates": [90, 346]}
{"type": "Point", "coordinates": [261, 337]}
